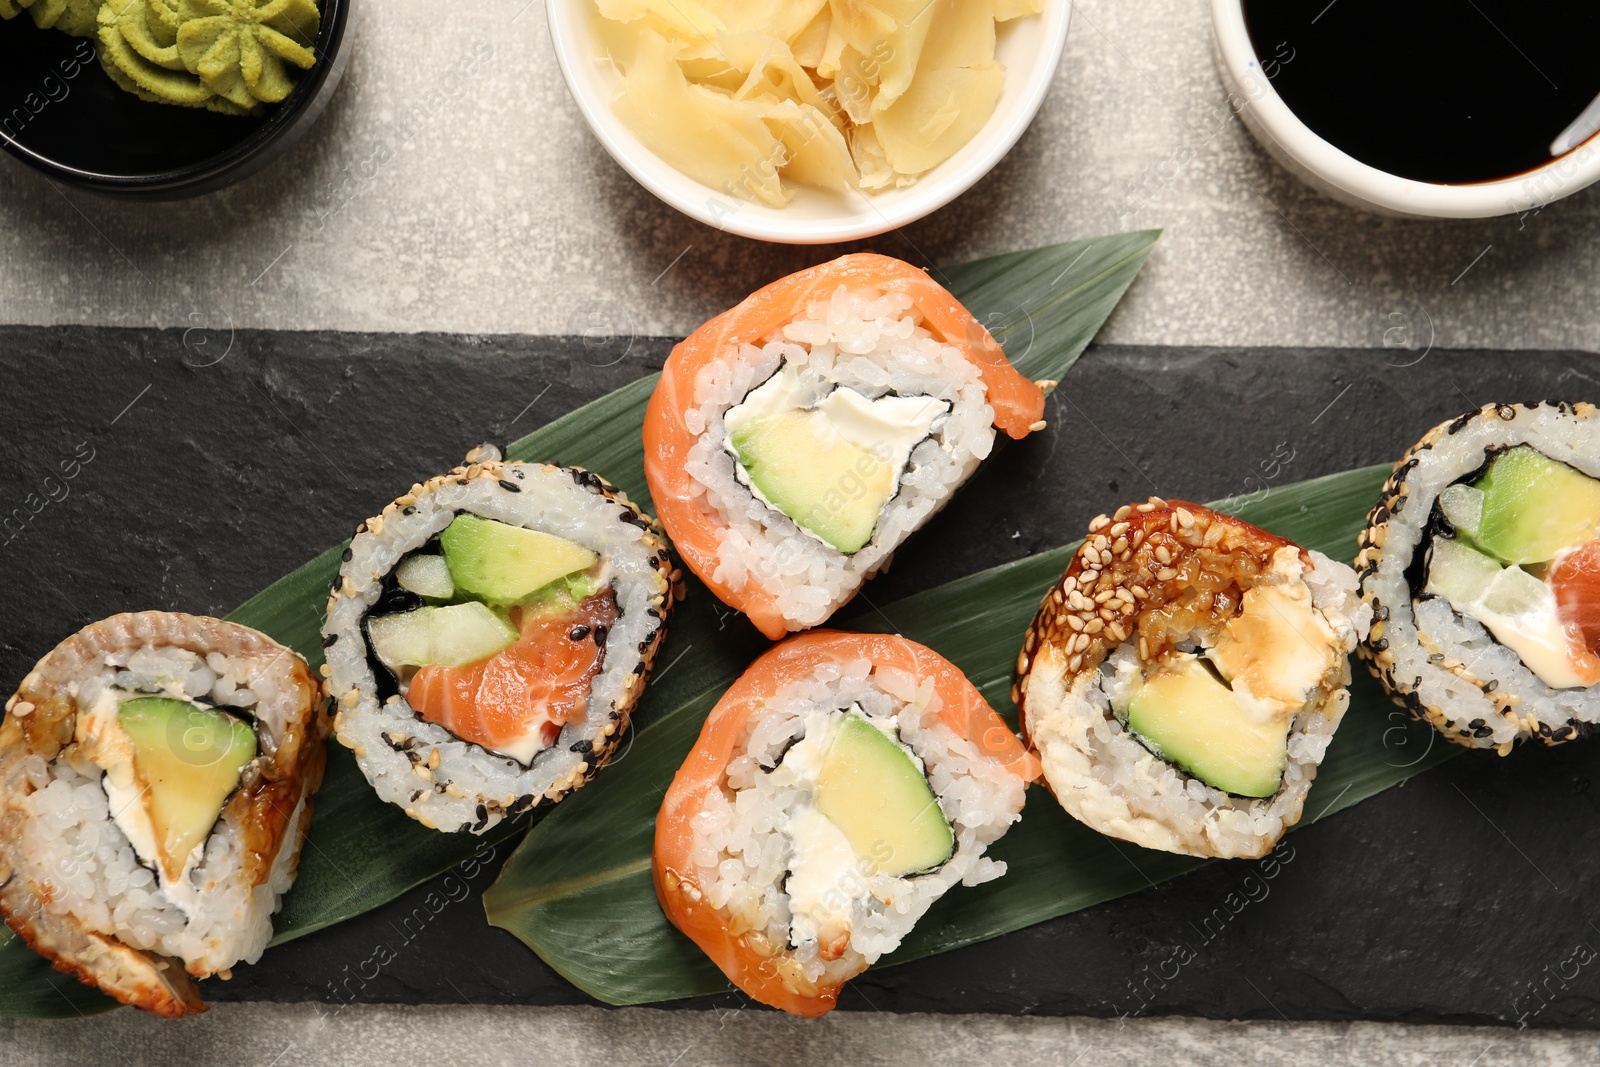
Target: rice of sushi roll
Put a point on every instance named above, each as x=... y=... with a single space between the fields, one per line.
x=489 y=635
x=1181 y=683
x=156 y=775
x=1481 y=563
x=842 y=785
x=796 y=440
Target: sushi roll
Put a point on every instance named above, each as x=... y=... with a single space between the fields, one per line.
x=796 y=440
x=1481 y=564
x=489 y=635
x=156 y=774
x=1181 y=683
x=842 y=785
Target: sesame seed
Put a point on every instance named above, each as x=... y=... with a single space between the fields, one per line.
x=1098 y=523
x=1075 y=663
x=1157 y=502
x=1035 y=427
x=1166 y=574
x=1094 y=627
x=1122 y=513
x=1074 y=622
x=1121 y=547
x=1163 y=554
x=1185 y=517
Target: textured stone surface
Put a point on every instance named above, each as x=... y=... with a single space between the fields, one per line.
x=478 y=1036
x=452 y=185
x=1451 y=899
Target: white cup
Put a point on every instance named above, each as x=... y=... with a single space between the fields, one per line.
x=1353 y=182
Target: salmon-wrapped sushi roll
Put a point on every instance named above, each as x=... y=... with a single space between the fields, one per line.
x=489 y=636
x=1182 y=681
x=842 y=785
x=156 y=774
x=796 y=440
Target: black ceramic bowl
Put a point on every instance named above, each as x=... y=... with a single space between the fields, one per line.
x=61 y=114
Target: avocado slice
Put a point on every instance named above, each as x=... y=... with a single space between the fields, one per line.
x=1187 y=716
x=874 y=792
x=452 y=636
x=501 y=563
x=1533 y=507
x=828 y=485
x=187 y=760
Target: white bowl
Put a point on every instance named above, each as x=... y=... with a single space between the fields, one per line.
x=1029 y=47
x=1345 y=178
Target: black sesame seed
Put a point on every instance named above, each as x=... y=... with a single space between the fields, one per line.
x=483 y=814
x=346 y=554
x=584 y=745
x=629 y=515
x=1460 y=422
x=600 y=634
x=578 y=633
x=329 y=639
x=510 y=487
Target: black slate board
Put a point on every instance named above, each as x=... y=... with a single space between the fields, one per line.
x=221 y=461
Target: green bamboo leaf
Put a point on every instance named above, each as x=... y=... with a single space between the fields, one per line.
x=578 y=889
x=1045 y=306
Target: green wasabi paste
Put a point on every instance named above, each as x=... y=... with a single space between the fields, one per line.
x=232 y=56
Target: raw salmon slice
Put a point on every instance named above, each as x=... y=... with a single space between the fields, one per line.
x=539 y=683
x=1576 y=584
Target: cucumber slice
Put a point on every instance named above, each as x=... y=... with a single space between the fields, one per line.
x=1459 y=573
x=427 y=576
x=450 y=636
x=1463 y=507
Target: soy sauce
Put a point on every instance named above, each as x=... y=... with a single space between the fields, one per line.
x=1451 y=91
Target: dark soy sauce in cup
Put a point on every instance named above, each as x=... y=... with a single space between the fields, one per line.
x=1451 y=91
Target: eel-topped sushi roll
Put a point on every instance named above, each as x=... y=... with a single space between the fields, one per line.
x=489 y=636
x=842 y=785
x=156 y=774
x=794 y=441
x=1181 y=683
x=1482 y=564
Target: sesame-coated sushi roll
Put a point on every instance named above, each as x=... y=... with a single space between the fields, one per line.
x=156 y=774
x=1183 y=679
x=489 y=636
x=842 y=785
x=1481 y=563
x=794 y=441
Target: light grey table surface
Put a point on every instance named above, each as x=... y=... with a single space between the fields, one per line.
x=453 y=186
